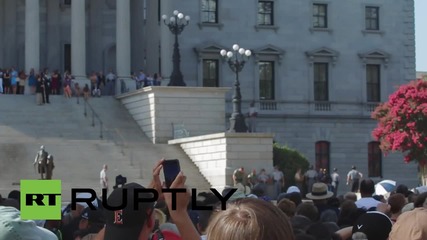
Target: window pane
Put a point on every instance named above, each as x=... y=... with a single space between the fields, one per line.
x=374 y=160
x=210 y=73
x=265 y=13
x=209 y=11
x=372 y=18
x=321 y=82
x=266 y=80
x=320 y=16
x=322 y=149
x=373 y=82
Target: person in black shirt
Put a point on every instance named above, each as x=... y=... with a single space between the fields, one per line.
x=48 y=88
x=39 y=90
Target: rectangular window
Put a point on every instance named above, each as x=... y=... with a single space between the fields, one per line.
x=321 y=92
x=374 y=160
x=322 y=155
x=265 y=13
x=209 y=11
x=372 y=18
x=320 y=15
x=266 y=80
x=67 y=57
x=210 y=73
x=373 y=82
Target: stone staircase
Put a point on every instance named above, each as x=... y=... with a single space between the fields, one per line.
x=78 y=151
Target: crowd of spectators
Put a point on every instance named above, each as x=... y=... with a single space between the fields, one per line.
x=247 y=216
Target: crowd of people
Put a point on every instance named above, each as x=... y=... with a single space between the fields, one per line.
x=45 y=83
x=247 y=216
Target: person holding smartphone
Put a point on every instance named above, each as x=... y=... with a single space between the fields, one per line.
x=131 y=224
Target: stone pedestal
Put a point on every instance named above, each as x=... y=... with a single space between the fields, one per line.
x=218 y=155
x=201 y=111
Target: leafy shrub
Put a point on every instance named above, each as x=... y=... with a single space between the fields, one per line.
x=289 y=160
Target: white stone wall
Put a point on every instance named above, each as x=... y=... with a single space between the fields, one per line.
x=201 y=110
x=218 y=155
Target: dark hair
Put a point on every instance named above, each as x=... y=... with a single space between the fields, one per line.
x=419 y=202
x=320 y=231
x=204 y=217
x=15 y=194
x=367 y=186
x=397 y=201
x=403 y=189
x=308 y=210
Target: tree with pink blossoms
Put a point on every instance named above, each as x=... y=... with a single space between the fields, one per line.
x=402 y=124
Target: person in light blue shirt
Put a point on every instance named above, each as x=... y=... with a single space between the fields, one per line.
x=14 y=77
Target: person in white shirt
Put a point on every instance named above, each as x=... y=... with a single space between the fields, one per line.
x=252 y=117
x=335 y=181
x=354 y=177
x=278 y=179
x=103 y=178
x=111 y=80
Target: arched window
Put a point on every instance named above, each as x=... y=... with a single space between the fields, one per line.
x=374 y=160
x=322 y=155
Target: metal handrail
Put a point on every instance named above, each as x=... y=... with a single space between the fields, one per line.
x=94 y=115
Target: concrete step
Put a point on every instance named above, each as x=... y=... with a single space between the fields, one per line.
x=78 y=151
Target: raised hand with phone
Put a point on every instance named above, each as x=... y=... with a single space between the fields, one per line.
x=175 y=179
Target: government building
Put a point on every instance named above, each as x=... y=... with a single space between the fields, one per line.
x=317 y=70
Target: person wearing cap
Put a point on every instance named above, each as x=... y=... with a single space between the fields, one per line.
x=354 y=177
x=320 y=194
x=71 y=220
x=374 y=225
x=13 y=227
x=91 y=222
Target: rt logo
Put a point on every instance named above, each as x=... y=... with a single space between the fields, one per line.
x=41 y=199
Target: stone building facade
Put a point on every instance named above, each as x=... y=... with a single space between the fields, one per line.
x=81 y=37
x=317 y=71
x=318 y=68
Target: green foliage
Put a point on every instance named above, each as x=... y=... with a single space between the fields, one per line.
x=289 y=160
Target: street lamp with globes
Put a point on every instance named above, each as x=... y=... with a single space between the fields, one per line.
x=176 y=25
x=236 y=60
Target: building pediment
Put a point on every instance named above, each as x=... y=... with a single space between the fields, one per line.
x=269 y=50
x=376 y=56
x=322 y=52
x=376 y=53
x=208 y=47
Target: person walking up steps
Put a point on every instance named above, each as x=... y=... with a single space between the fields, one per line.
x=354 y=177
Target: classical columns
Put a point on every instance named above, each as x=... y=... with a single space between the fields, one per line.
x=123 y=43
x=32 y=35
x=78 y=38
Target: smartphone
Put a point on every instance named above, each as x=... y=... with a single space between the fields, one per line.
x=171 y=169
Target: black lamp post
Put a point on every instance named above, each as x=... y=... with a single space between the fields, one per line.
x=176 y=25
x=236 y=61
